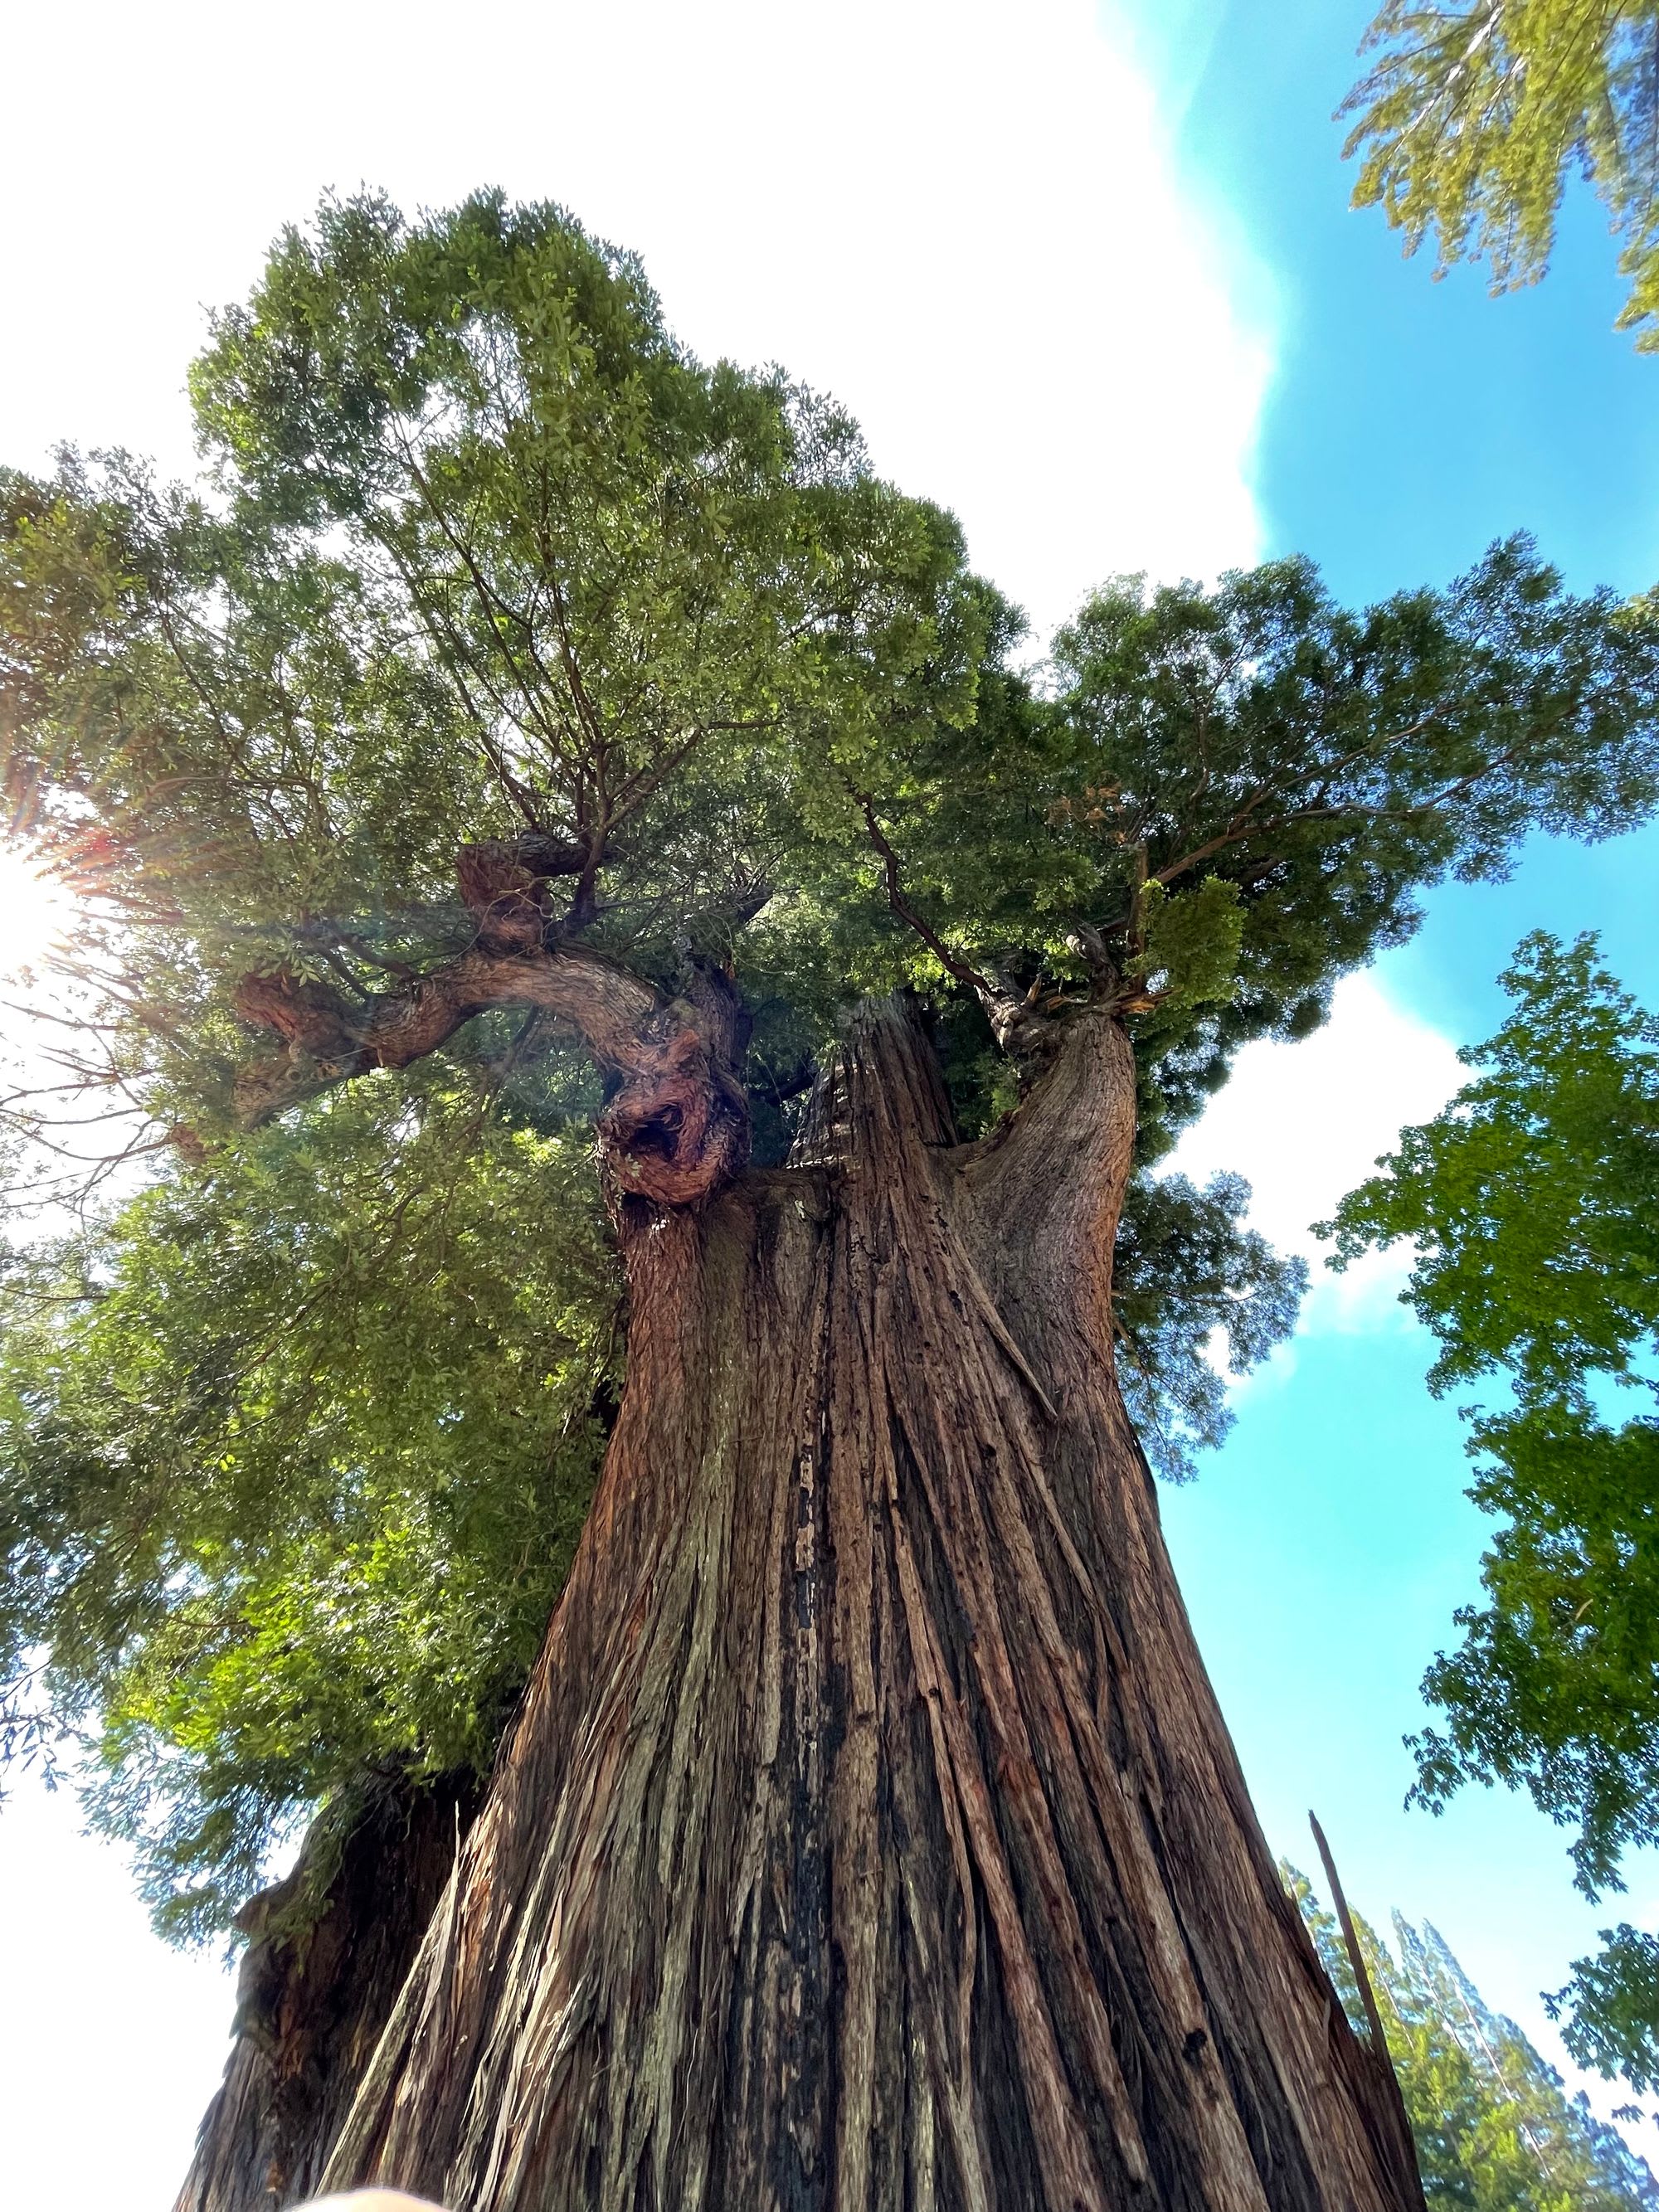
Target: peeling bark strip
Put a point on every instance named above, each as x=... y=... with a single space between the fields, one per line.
x=870 y=1837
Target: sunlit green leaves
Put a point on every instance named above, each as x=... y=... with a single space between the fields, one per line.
x=633 y=571
x=1472 y=118
x=1533 y=1206
x=1531 y=1199
x=1258 y=743
x=1615 y=2001
x=295 y=1457
x=1189 y=956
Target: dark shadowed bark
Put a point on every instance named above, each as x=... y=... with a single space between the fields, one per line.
x=318 y=1979
x=870 y=1836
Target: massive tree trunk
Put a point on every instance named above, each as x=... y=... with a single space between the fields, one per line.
x=870 y=1836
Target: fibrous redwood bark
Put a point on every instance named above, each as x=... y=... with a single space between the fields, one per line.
x=320 y=1976
x=870 y=1836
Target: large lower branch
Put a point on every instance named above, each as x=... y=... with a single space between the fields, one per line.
x=621 y=1016
x=676 y=1126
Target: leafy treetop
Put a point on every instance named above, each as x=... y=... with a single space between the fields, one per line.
x=488 y=560
x=1473 y=117
x=513 y=688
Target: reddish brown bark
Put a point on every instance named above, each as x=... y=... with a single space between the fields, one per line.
x=318 y=1978
x=870 y=1836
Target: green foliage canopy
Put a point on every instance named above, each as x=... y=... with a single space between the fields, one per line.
x=485 y=562
x=296 y=1452
x=1473 y=117
x=1532 y=1203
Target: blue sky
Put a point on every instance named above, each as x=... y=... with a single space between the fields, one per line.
x=1405 y=423
x=1092 y=279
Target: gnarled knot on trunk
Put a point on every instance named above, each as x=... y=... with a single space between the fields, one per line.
x=1030 y=1022
x=311 y=1017
x=677 y=1130
x=503 y=880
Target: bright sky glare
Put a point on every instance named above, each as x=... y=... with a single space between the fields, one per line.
x=959 y=218
x=37 y=912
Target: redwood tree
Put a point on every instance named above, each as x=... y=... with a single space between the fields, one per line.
x=535 y=748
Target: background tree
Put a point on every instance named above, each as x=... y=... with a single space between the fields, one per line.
x=1493 y=2126
x=1531 y=1203
x=1472 y=120
x=586 y=876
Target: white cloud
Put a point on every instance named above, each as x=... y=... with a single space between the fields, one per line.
x=960 y=218
x=1363 y=1300
x=1305 y=1122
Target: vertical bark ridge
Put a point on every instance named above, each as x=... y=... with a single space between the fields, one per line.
x=1319 y=2109
x=869 y=1838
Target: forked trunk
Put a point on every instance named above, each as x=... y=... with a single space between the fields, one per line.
x=870 y=1836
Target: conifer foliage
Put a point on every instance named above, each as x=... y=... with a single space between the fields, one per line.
x=1495 y=2129
x=1472 y=118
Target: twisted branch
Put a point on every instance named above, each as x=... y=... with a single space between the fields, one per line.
x=676 y=1129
